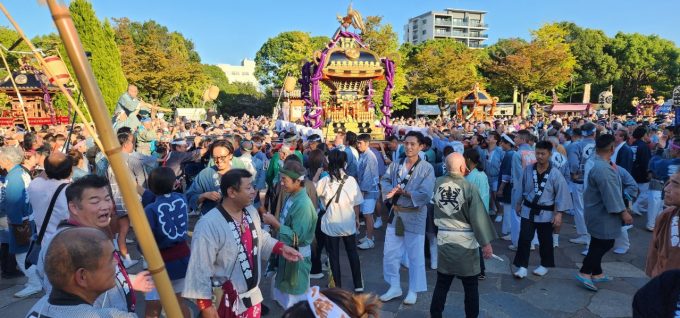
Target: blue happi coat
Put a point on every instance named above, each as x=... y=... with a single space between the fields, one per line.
x=16 y=204
x=169 y=222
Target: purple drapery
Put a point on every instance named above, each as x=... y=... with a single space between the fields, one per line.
x=313 y=109
x=387 y=97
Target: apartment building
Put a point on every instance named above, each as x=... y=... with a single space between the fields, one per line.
x=466 y=26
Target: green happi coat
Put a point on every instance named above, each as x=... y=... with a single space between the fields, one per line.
x=463 y=225
x=298 y=222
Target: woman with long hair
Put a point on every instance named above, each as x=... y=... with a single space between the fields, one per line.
x=341 y=198
x=338 y=302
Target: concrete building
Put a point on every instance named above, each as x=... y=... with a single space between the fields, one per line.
x=467 y=26
x=244 y=73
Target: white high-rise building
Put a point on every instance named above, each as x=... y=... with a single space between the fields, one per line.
x=467 y=26
x=244 y=73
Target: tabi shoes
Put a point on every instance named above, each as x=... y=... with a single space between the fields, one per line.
x=391 y=293
x=411 y=298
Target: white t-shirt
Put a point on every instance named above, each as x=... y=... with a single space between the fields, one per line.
x=40 y=192
x=339 y=219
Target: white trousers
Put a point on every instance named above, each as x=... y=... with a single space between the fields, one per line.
x=622 y=241
x=413 y=243
x=654 y=207
x=641 y=204
x=515 y=222
x=577 y=202
x=31 y=273
x=508 y=212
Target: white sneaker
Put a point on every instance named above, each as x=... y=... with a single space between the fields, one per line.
x=411 y=298
x=584 y=252
x=499 y=219
x=583 y=239
x=650 y=228
x=363 y=239
x=620 y=250
x=540 y=271
x=28 y=291
x=316 y=276
x=520 y=273
x=506 y=237
x=378 y=223
x=366 y=244
x=512 y=248
x=129 y=241
x=391 y=293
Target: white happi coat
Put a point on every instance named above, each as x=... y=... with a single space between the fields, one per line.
x=214 y=252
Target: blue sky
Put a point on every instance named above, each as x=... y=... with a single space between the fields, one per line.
x=226 y=31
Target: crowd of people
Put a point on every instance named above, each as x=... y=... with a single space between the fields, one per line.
x=276 y=204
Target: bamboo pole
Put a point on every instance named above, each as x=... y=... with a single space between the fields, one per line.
x=95 y=102
x=16 y=89
x=47 y=71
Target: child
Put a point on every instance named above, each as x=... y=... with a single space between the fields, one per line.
x=169 y=224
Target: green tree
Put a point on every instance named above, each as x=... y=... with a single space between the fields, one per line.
x=537 y=67
x=216 y=76
x=643 y=60
x=99 y=38
x=163 y=64
x=593 y=64
x=440 y=70
x=383 y=40
x=285 y=54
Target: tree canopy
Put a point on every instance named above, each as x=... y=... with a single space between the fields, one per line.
x=285 y=54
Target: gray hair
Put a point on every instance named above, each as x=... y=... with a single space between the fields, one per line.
x=13 y=154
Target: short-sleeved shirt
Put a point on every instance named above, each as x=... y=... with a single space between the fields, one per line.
x=339 y=218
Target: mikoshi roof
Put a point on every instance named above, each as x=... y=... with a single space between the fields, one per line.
x=26 y=81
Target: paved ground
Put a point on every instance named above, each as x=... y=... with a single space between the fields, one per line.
x=501 y=295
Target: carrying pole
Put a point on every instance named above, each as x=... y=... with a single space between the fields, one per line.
x=97 y=107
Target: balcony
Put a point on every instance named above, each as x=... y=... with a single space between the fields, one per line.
x=477 y=35
x=477 y=46
x=444 y=22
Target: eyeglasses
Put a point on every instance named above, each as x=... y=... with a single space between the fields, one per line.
x=222 y=158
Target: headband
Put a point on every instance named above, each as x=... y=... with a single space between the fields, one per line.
x=507 y=139
x=293 y=175
x=179 y=142
x=321 y=306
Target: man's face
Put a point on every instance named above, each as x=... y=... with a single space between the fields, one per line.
x=102 y=278
x=393 y=145
x=618 y=137
x=672 y=191
x=362 y=146
x=94 y=209
x=542 y=156
x=288 y=184
x=128 y=145
x=132 y=91
x=245 y=194
x=222 y=158
x=412 y=147
x=339 y=140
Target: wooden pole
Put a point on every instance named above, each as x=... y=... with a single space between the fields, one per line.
x=47 y=71
x=95 y=102
x=16 y=89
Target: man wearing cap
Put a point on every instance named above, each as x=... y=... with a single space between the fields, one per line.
x=146 y=135
x=578 y=154
x=503 y=194
x=178 y=155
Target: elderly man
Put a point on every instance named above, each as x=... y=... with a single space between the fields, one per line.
x=80 y=265
x=463 y=226
x=91 y=206
x=19 y=214
x=604 y=212
x=408 y=183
